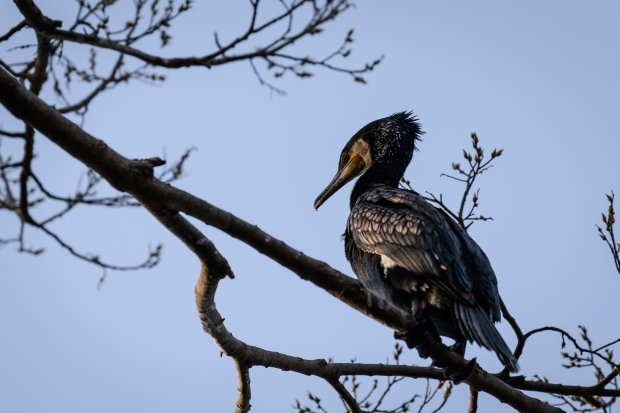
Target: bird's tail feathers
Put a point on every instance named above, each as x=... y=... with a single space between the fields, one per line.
x=476 y=325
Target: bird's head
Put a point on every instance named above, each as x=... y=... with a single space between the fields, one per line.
x=384 y=146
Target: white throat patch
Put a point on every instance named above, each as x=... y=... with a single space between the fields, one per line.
x=387 y=262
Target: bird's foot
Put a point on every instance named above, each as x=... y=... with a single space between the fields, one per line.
x=458 y=348
x=415 y=336
x=461 y=372
x=458 y=374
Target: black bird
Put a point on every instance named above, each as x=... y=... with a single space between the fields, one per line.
x=409 y=252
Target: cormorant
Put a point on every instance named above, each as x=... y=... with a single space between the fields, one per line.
x=409 y=252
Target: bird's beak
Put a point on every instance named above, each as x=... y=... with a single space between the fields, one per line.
x=354 y=167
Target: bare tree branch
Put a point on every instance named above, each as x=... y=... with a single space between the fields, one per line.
x=473 y=400
x=465 y=216
x=13 y=30
x=607 y=233
x=137 y=178
x=243 y=388
x=96 y=25
x=345 y=396
x=22 y=190
x=321 y=13
x=476 y=166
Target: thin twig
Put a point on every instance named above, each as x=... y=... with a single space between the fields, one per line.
x=473 y=401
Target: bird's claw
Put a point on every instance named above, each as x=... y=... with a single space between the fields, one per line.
x=459 y=374
x=458 y=348
x=417 y=335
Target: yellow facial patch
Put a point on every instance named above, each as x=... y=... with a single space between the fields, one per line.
x=362 y=149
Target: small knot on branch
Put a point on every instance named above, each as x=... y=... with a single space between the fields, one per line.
x=146 y=166
x=149 y=162
x=54 y=24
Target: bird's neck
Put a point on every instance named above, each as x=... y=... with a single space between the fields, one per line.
x=376 y=176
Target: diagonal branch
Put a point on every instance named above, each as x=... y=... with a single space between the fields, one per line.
x=345 y=396
x=163 y=200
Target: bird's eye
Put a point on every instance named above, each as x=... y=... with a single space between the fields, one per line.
x=344 y=157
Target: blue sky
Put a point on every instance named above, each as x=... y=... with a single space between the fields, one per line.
x=539 y=79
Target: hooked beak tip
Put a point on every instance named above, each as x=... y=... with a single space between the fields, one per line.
x=317 y=204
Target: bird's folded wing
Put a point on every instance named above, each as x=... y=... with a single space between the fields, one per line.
x=414 y=236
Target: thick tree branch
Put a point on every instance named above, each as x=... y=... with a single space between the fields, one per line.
x=563 y=389
x=163 y=200
x=128 y=176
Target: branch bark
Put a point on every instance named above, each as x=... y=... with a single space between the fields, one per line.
x=345 y=396
x=473 y=401
x=243 y=388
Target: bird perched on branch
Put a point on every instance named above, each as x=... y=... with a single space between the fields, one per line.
x=409 y=252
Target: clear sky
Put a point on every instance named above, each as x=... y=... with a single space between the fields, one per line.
x=539 y=79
